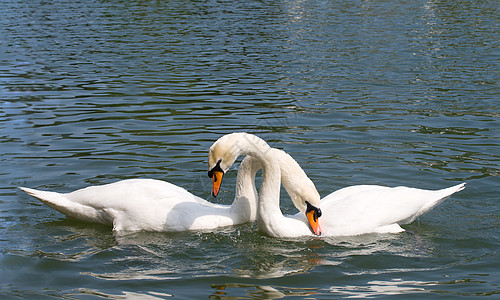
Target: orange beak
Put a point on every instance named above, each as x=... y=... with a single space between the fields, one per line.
x=217 y=180
x=313 y=215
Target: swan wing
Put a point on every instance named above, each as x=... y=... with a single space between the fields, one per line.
x=365 y=209
x=134 y=204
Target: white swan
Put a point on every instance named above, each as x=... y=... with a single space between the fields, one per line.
x=362 y=209
x=350 y=211
x=155 y=205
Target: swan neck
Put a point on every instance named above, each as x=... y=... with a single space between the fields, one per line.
x=253 y=146
x=269 y=214
x=245 y=202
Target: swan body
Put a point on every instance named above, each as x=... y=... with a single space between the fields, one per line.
x=349 y=211
x=155 y=205
x=363 y=209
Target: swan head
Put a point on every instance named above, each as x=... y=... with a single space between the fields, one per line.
x=313 y=213
x=224 y=152
x=306 y=199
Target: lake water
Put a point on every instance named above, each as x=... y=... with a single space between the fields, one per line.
x=358 y=92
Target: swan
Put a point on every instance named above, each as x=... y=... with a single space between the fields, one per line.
x=352 y=210
x=155 y=205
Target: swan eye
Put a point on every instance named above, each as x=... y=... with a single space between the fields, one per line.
x=318 y=212
x=214 y=169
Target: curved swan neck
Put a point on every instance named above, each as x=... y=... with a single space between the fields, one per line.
x=270 y=218
x=225 y=151
x=277 y=166
x=245 y=202
x=249 y=144
x=223 y=154
x=227 y=148
x=295 y=181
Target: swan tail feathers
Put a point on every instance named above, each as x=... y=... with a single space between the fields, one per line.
x=438 y=197
x=443 y=194
x=455 y=188
x=63 y=205
x=49 y=198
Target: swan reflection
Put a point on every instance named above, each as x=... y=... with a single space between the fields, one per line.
x=225 y=291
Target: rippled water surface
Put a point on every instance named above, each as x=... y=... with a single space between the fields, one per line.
x=359 y=92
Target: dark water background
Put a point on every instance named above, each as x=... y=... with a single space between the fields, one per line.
x=359 y=92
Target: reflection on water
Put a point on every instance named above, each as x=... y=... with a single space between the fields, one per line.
x=123 y=295
x=245 y=291
x=381 y=288
x=246 y=253
x=277 y=263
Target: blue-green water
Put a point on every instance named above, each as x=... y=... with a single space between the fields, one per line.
x=359 y=92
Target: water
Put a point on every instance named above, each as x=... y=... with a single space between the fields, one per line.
x=359 y=92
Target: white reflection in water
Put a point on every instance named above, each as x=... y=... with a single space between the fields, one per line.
x=395 y=286
x=123 y=295
x=228 y=290
x=135 y=274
